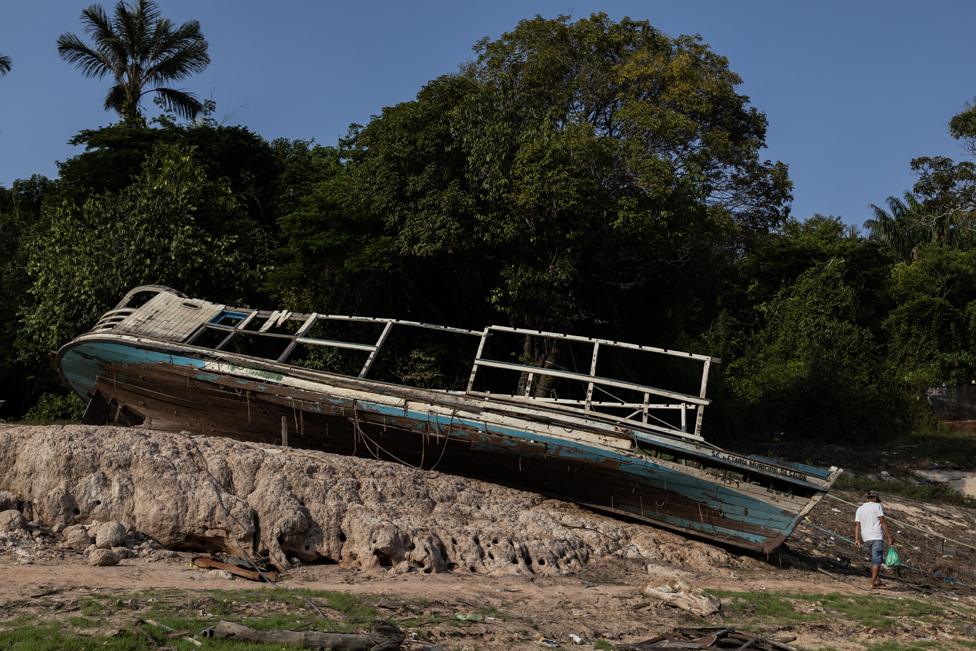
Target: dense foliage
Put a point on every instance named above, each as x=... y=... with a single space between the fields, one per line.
x=591 y=176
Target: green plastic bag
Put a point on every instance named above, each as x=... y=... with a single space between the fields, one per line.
x=891 y=558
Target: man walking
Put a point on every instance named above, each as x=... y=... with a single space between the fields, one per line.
x=871 y=528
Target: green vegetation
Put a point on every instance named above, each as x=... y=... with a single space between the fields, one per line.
x=163 y=618
x=772 y=609
x=147 y=620
x=588 y=175
x=55 y=408
x=923 y=492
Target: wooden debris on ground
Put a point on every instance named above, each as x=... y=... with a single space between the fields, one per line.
x=711 y=638
x=256 y=573
x=383 y=637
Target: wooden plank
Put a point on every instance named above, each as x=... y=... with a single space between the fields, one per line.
x=169 y=317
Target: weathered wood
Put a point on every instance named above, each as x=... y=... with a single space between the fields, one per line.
x=383 y=637
x=207 y=563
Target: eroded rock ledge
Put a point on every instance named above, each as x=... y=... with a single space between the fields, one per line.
x=200 y=493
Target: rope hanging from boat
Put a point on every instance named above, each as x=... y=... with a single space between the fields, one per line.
x=367 y=440
x=450 y=427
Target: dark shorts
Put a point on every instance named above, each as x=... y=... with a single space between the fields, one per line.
x=876 y=549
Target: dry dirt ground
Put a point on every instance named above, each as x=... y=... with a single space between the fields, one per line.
x=590 y=594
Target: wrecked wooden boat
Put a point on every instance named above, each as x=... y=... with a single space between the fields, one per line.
x=558 y=415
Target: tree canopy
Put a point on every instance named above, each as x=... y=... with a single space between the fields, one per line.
x=569 y=166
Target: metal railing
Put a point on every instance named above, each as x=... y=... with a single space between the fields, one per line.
x=683 y=402
x=643 y=406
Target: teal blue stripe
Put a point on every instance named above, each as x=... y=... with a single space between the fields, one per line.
x=732 y=503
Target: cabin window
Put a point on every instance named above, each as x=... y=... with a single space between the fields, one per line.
x=289 y=326
x=326 y=358
x=257 y=345
x=228 y=318
x=209 y=338
x=256 y=323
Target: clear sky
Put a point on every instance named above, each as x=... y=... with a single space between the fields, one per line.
x=852 y=90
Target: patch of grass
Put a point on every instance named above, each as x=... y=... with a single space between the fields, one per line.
x=603 y=645
x=20 y=620
x=938 y=444
x=939 y=493
x=763 y=606
x=169 y=610
x=263 y=609
x=93 y=606
x=51 y=637
x=866 y=610
x=910 y=646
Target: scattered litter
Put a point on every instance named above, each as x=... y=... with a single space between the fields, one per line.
x=469 y=617
x=945 y=578
x=678 y=594
x=549 y=643
x=575 y=638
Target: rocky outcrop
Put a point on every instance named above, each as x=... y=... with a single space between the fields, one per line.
x=214 y=494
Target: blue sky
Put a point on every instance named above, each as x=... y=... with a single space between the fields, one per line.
x=852 y=90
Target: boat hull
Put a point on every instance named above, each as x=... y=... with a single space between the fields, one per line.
x=179 y=388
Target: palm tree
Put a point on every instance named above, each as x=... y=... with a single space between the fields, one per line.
x=4 y=65
x=143 y=52
x=901 y=229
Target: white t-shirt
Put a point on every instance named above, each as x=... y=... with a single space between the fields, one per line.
x=868 y=515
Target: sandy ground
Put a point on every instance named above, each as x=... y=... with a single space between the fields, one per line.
x=603 y=602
